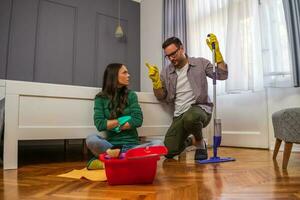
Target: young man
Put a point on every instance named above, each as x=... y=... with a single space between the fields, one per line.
x=183 y=84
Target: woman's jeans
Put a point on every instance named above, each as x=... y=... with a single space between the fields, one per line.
x=97 y=144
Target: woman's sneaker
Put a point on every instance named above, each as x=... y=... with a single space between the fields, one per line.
x=95 y=163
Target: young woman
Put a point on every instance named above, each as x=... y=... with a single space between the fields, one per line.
x=118 y=113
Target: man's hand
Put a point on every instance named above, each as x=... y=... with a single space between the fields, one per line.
x=153 y=74
x=213 y=39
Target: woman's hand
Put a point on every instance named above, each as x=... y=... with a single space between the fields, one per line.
x=125 y=126
x=112 y=123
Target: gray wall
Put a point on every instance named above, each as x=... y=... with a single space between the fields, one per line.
x=151 y=27
x=67 y=41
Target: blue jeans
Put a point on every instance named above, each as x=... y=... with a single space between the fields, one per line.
x=97 y=144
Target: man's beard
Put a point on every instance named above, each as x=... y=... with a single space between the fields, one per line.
x=179 y=63
x=175 y=63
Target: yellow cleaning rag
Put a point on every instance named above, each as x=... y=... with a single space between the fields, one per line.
x=93 y=175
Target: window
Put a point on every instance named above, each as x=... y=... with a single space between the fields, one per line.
x=253 y=40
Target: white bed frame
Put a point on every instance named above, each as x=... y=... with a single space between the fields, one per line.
x=39 y=111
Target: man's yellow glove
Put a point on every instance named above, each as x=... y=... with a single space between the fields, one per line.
x=213 y=39
x=154 y=76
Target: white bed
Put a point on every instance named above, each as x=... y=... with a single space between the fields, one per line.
x=39 y=111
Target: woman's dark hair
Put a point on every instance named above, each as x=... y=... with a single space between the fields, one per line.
x=172 y=40
x=118 y=96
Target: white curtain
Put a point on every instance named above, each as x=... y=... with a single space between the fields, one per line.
x=241 y=28
x=203 y=17
x=276 y=51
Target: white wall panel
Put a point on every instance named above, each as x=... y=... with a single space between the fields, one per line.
x=244 y=119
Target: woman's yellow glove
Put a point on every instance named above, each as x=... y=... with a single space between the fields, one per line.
x=213 y=39
x=154 y=76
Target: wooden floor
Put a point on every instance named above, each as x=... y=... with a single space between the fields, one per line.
x=253 y=175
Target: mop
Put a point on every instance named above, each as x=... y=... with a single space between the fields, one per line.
x=217 y=122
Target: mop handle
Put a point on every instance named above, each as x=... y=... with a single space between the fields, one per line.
x=213 y=45
x=214 y=81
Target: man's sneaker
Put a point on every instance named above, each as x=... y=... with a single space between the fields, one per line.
x=95 y=163
x=201 y=154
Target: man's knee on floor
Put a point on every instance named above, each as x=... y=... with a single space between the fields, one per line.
x=170 y=156
x=173 y=149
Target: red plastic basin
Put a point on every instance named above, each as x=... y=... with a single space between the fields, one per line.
x=138 y=166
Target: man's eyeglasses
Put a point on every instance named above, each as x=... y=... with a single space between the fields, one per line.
x=173 y=54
